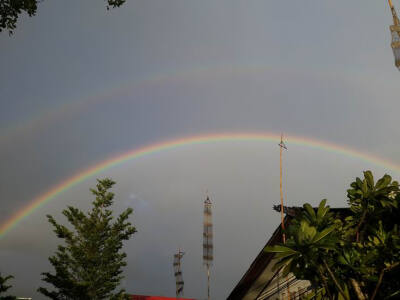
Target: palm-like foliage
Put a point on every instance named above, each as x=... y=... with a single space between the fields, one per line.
x=311 y=238
x=371 y=202
x=355 y=257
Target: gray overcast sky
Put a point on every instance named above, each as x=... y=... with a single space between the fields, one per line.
x=79 y=84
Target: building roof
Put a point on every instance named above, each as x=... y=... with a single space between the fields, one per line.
x=142 y=297
x=263 y=259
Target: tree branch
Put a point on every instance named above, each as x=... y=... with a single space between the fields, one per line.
x=359 y=225
x=357 y=289
x=378 y=284
x=389 y=268
x=335 y=281
x=325 y=283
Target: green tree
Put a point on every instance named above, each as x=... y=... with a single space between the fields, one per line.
x=89 y=263
x=10 y=10
x=4 y=288
x=357 y=256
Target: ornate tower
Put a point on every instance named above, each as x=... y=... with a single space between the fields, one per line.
x=208 y=241
x=178 y=273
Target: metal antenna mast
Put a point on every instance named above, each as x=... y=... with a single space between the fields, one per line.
x=208 y=241
x=281 y=147
x=178 y=273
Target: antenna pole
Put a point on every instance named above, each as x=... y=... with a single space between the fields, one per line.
x=208 y=282
x=281 y=147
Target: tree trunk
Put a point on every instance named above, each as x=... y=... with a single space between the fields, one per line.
x=325 y=283
x=357 y=289
x=359 y=225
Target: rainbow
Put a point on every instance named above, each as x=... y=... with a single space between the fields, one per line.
x=69 y=108
x=136 y=153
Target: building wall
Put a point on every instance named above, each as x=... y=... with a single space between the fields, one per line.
x=279 y=288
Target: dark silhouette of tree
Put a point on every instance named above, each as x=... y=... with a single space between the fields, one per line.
x=10 y=10
x=4 y=288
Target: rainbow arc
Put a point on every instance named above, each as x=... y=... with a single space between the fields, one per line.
x=137 y=153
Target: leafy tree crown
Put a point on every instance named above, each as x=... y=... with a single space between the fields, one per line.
x=88 y=265
x=348 y=257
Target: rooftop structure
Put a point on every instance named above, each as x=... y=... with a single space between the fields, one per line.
x=142 y=297
x=260 y=282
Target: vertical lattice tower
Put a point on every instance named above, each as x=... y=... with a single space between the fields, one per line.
x=178 y=273
x=208 y=241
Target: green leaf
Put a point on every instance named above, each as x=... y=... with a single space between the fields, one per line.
x=310 y=211
x=364 y=188
x=306 y=231
x=369 y=178
x=322 y=210
x=287 y=268
x=279 y=249
x=359 y=183
x=346 y=292
x=383 y=182
x=393 y=295
x=319 y=236
x=282 y=255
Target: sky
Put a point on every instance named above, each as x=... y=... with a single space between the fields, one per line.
x=80 y=85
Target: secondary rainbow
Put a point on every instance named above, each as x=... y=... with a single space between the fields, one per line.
x=109 y=93
x=63 y=186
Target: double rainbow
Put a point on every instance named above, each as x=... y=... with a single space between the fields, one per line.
x=136 y=153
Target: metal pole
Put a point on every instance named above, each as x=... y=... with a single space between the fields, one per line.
x=208 y=279
x=281 y=146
